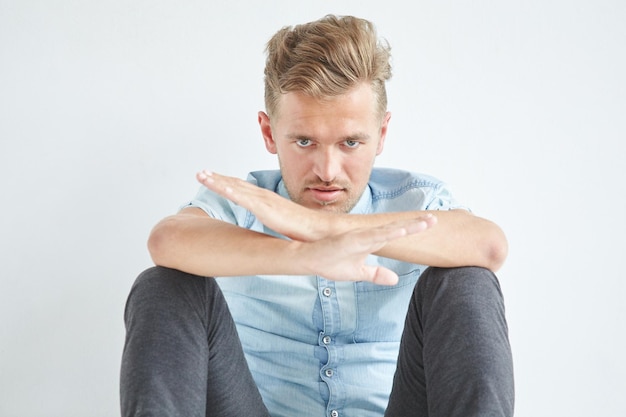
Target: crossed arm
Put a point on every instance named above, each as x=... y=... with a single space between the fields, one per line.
x=332 y=245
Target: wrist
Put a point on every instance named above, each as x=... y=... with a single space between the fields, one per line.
x=326 y=224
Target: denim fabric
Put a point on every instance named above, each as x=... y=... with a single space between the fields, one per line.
x=315 y=346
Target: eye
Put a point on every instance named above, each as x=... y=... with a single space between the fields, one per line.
x=303 y=143
x=352 y=143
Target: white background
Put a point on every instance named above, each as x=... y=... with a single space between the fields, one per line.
x=108 y=108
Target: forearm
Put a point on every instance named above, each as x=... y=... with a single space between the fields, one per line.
x=207 y=247
x=198 y=244
x=458 y=239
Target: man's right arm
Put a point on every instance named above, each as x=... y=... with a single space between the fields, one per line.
x=196 y=243
x=193 y=242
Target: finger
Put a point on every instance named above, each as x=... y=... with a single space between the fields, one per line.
x=206 y=178
x=391 y=231
x=367 y=241
x=380 y=275
x=213 y=180
x=227 y=187
x=232 y=187
x=419 y=224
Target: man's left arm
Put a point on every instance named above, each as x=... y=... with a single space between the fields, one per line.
x=457 y=238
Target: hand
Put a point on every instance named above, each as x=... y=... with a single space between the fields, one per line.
x=317 y=246
x=342 y=257
x=279 y=214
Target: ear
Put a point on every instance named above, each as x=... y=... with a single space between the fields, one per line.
x=383 y=133
x=266 y=131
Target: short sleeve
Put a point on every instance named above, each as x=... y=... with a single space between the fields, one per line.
x=441 y=198
x=397 y=190
x=213 y=205
x=223 y=209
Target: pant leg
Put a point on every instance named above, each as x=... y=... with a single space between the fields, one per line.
x=182 y=355
x=455 y=358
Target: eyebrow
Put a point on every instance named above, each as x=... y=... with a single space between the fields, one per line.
x=359 y=136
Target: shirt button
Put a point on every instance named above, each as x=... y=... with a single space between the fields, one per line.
x=334 y=413
x=327 y=292
x=326 y=340
x=328 y=373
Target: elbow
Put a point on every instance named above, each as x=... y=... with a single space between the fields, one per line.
x=162 y=242
x=497 y=250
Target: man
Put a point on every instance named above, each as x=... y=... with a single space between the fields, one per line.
x=319 y=263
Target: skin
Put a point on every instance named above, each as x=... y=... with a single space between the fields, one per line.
x=326 y=150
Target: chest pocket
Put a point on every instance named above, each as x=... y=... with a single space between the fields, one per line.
x=381 y=310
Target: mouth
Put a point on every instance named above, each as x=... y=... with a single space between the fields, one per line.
x=326 y=195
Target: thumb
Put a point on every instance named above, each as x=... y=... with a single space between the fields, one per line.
x=380 y=275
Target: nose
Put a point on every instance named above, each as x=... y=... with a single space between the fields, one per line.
x=327 y=165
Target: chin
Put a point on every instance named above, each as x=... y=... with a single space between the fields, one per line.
x=335 y=207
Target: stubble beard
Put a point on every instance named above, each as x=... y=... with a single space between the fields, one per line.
x=333 y=206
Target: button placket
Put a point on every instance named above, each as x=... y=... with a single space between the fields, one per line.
x=328 y=297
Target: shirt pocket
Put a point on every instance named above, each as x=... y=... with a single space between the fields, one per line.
x=381 y=309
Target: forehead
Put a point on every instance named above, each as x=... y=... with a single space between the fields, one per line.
x=356 y=106
x=350 y=115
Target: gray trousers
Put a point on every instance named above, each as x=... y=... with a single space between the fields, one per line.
x=182 y=355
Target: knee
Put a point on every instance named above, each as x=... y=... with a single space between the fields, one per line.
x=155 y=281
x=158 y=290
x=438 y=273
x=158 y=276
x=473 y=285
x=151 y=288
x=162 y=279
x=472 y=277
x=463 y=298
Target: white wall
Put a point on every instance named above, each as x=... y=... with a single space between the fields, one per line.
x=108 y=108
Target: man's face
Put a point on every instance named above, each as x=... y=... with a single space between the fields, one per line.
x=326 y=148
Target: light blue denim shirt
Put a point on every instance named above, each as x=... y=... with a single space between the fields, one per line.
x=318 y=347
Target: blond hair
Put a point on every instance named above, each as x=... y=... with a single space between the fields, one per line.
x=326 y=58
